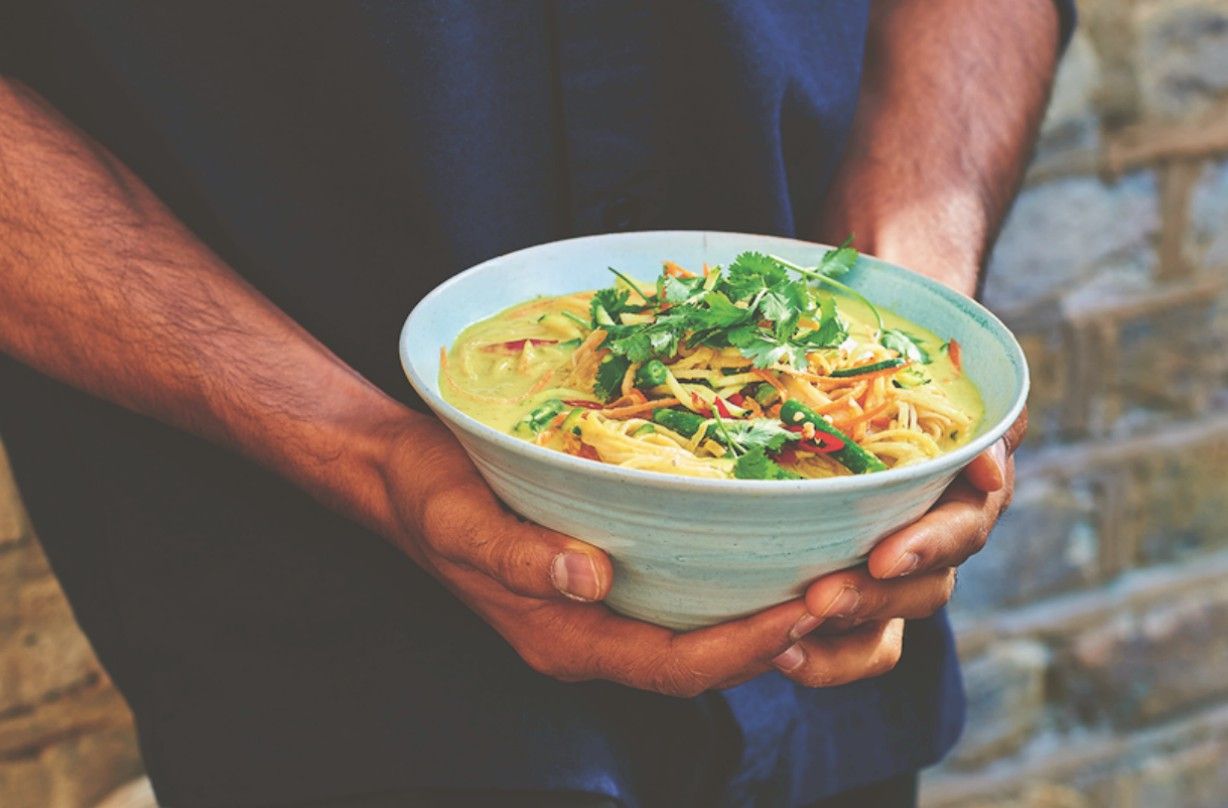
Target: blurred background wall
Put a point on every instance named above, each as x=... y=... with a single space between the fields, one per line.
x=1095 y=625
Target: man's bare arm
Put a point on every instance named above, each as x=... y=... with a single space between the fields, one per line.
x=104 y=289
x=952 y=96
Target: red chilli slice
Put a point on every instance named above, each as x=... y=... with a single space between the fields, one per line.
x=516 y=345
x=588 y=405
x=721 y=408
x=737 y=399
x=821 y=443
x=701 y=406
x=953 y=352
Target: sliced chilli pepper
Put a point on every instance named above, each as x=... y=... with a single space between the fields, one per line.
x=737 y=399
x=588 y=452
x=822 y=443
x=701 y=406
x=721 y=408
x=953 y=352
x=853 y=457
x=516 y=345
x=786 y=454
x=588 y=405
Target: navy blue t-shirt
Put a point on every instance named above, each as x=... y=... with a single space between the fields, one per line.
x=346 y=158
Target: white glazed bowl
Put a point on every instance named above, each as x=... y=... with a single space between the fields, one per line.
x=690 y=552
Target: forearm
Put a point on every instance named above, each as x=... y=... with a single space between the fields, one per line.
x=105 y=290
x=952 y=96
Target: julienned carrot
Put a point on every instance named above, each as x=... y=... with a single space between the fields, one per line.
x=620 y=413
x=772 y=380
x=676 y=271
x=867 y=416
x=953 y=352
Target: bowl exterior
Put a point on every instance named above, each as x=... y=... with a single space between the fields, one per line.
x=689 y=553
x=685 y=559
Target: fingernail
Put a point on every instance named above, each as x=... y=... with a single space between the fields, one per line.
x=905 y=564
x=575 y=575
x=790 y=659
x=998 y=451
x=804 y=625
x=844 y=604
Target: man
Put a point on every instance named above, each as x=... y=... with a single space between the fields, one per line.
x=211 y=225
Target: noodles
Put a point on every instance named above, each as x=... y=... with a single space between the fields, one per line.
x=691 y=378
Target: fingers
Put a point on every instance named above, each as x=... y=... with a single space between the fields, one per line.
x=987 y=471
x=854 y=595
x=468 y=526
x=594 y=643
x=954 y=529
x=828 y=661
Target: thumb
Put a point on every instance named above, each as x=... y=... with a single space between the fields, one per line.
x=987 y=472
x=474 y=530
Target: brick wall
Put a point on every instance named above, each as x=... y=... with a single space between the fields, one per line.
x=66 y=736
x=1094 y=627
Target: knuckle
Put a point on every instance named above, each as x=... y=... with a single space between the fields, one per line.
x=1008 y=497
x=980 y=538
x=948 y=587
x=543 y=663
x=548 y=663
x=673 y=677
x=887 y=660
x=447 y=524
x=816 y=677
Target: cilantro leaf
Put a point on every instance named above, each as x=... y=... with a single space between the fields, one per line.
x=763 y=347
x=906 y=345
x=720 y=312
x=776 y=307
x=611 y=302
x=643 y=342
x=764 y=433
x=751 y=272
x=681 y=290
x=831 y=331
x=756 y=465
x=610 y=375
x=839 y=261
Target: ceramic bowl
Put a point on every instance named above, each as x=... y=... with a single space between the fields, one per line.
x=690 y=552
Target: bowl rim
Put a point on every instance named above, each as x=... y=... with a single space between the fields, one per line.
x=952 y=461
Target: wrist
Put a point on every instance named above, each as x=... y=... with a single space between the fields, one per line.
x=345 y=463
x=941 y=238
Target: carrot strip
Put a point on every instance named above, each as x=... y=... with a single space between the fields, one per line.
x=770 y=379
x=868 y=415
x=620 y=413
x=676 y=271
x=540 y=384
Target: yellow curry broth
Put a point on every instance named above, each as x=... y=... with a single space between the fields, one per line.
x=502 y=367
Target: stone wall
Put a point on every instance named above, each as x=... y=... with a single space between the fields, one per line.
x=66 y=736
x=1094 y=627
